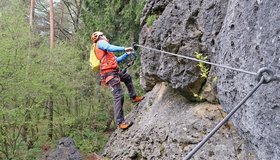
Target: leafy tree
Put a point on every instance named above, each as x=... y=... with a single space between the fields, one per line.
x=33 y=77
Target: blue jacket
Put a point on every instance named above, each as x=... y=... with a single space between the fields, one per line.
x=104 y=45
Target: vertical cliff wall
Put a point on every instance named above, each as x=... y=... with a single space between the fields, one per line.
x=237 y=33
x=250 y=39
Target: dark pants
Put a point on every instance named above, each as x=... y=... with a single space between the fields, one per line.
x=117 y=91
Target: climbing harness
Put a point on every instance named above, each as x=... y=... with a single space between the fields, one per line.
x=264 y=76
x=129 y=62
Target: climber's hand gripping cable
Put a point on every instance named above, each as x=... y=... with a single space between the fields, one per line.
x=130 y=60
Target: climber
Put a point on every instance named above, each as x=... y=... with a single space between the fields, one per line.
x=112 y=76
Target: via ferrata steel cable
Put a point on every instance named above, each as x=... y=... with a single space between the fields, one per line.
x=197 y=60
x=209 y=135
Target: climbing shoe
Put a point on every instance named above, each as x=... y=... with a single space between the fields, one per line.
x=125 y=125
x=137 y=99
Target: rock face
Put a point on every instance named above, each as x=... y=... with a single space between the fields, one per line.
x=238 y=33
x=182 y=27
x=250 y=39
x=167 y=127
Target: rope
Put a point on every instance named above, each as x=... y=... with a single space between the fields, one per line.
x=198 y=60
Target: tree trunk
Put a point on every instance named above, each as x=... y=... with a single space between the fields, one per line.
x=50 y=118
x=50 y=101
x=31 y=15
x=51 y=25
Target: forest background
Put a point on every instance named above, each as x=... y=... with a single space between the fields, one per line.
x=51 y=92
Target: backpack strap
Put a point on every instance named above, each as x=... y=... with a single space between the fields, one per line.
x=100 y=76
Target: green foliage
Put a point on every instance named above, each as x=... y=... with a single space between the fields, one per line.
x=88 y=140
x=151 y=19
x=204 y=69
x=119 y=19
x=215 y=80
x=13 y=40
x=31 y=74
x=198 y=97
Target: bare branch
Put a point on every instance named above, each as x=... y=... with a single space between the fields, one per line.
x=61 y=28
x=69 y=10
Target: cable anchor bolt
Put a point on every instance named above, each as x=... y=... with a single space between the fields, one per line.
x=266 y=73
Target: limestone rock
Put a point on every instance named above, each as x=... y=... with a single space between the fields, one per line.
x=236 y=33
x=182 y=27
x=250 y=40
x=167 y=126
x=65 y=150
